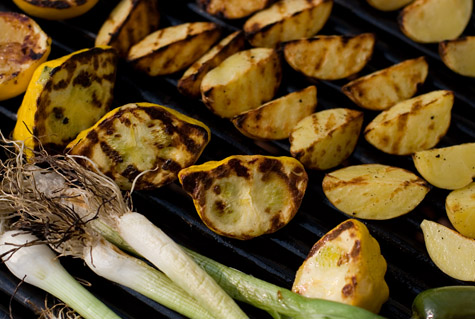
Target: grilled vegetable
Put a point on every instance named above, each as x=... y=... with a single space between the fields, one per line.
x=242 y=82
x=287 y=20
x=246 y=196
x=267 y=123
x=172 y=49
x=128 y=23
x=142 y=138
x=189 y=84
x=388 y=5
x=232 y=9
x=453 y=253
x=412 y=125
x=449 y=167
x=454 y=302
x=329 y=57
x=23 y=47
x=66 y=96
x=55 y=9
x=458 y=55
x=430 y=21
x=460 y=207
x=382 y=89
x=345 y=265
x=374 y=191
x=325 y=139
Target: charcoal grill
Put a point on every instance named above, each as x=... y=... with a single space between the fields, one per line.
x=275 y=257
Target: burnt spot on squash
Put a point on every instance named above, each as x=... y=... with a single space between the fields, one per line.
x=349 y=289
x=330 y=236
x=238 y=168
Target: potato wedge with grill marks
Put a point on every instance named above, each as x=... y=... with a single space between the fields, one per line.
x=458 y=55
x=128 y=23
x=246 y=196
x=267 y=121
x=140 y=137
x=287 y=20
x=384 y=88
x=388 y=5
x=325 y=139
x=66 y=96
x=374 y=191
x=460 y=208
x=233 y=9
x=189 y=84
x=175 y=48
x=412 y=125
x=430 y=21
x=242 y=82
x=329 y=57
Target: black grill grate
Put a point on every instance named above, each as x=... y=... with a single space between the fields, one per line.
x=274 y=257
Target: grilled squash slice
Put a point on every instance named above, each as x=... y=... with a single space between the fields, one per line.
x=128 y=23
x=345 y=265
x=23 y=47
x=458 y=55
x=388 y=5
x=460 y=207
x=232 y=9
x=242 y=82
x=246 y=196
x=66 y=96
x=140 y=137
x=382 y=89
x=374 y=191
x=55 y=9
x=325 y=139
x=412 y=125
x=329 y=57
x=287 y=20
x=189 y=84
x=175 y=48
x=267 y=123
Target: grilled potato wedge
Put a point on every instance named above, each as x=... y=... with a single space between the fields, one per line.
x=66 y=96
x=429 y=21
x=325 y=139
x=242 y=82
x=189 y=84
x=374 y=191
x=267 y=123
x=460 y=208
x=449 y=167
x=246 y=196
x=388 y=5
x=382 y=89
x=140 y=137
x=55 y=9
x=452 y=252
x=175 y=48
x=287 y=20
x=329 y=57
x=458 y=55
x=128 y=23
x=345 y=265
x=412 y=125
x=23 y=47
x=232 y=9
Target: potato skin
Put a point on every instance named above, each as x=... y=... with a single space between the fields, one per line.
x=388 y=5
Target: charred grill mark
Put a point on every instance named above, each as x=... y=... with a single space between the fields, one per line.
x=111 y=153
x=330 y=236
x=54 y=4
x=196 y=184
x=58 y=112
x=130 y=172
x=349 y=289
x=241 y=170
x=171 y=165
x=355 y=251
x=84 y=79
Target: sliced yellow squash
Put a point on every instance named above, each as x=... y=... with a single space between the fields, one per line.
x=55 y=9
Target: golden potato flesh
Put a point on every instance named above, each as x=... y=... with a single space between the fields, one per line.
x=128 y=23
x=413 y=125
x=189 y=84
x=460 y=207
x=388 y=5
x=246 y=196
x=267 y=123
x=287 y=20
x=453 y=253
x=242 y=82
x=459 y=55
x=232 y=9
x=449 y=167
x=325 y=139
x=374 y=191
x=382 y=89
x=345 y=265
x=329 y=57
x=141 y=137
x=172 y=49
x=429 y=21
